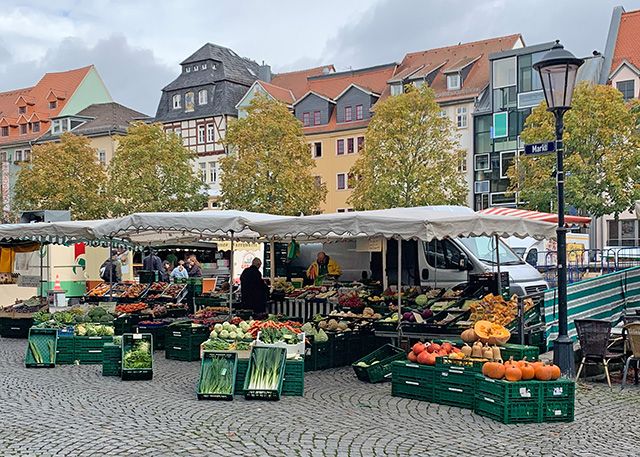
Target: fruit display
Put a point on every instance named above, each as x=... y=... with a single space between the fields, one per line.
x=521 y=370
x=30 y=305
x=130 y=308
x=173 y=291
x=100 y=290
x=496 y=309
x=426 y=353
x=350 y=299
x=488 y=332
x=156 y=289
x=367 y=313
x=118 y=290
x=282 y=285
x=134 y=291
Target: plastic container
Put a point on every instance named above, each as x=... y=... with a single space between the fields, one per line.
x=129 y=340
x=44 y=342
x=271 y=394
x=207 y=358
x=368 y=371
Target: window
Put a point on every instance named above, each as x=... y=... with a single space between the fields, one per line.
x=305 y=119
x=350 y=148
x=196 y=68
x=35 y=126
x=202 y=97
x=359 y=113
x=210 y=133
x=627 y=88
x=187 y=69
x=204 y=66
x=347 y=114
x=22 y=109
x=453 y=81
x=213 y=172
x=18 y=156
x=27 y=155
x=203 y=172
x=201 y=134
x=506 y=160
x=3 y=156
x=500 y=124
x=528 y=77
x=189 y=102
x=443 y=113
x=504 y=72
x=442 y=254
x=53 y=104
x=623 y=232
x=340 y=147
x=5 y=131
x=340 y=210
x=396 y=89
x=317 y=150
x=482 y=162
x=462 y=166
x=316 y=118
x=342 y=181
x=481 y=187
x=505 y=98
x=23 y=129
x=461 y=117
x=178 y=132
x=360 y=143
x=176 y=101
x=102 y=157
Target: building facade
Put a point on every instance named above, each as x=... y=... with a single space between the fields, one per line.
x=26 y=114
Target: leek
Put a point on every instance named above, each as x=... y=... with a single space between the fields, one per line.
x=266 y=368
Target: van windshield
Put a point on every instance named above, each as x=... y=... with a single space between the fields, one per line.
x=484 y=249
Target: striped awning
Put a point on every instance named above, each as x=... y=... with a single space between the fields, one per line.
x=536 y=215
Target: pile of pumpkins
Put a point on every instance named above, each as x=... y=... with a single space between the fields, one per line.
x=425 y=354
x=521 y=370
x=480 y=351
x=486 y=332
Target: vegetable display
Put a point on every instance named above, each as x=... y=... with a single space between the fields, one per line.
x=134 y=291
x=227 y=331
x=31 y=305
x=139 y=356
x=521 y=370
x=93 y=330
x=100 y=290
x=217 y=376
x=173 y=290
x=266 y=368
x=257 y=326
x=496 y=309
x=130 y=308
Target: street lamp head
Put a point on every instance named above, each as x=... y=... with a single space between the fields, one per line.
x=558 y=70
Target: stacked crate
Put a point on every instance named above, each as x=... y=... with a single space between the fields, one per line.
x=411 y=380
x=455 y=382
x=112 y=360
x=88 y=350
x=182 y=342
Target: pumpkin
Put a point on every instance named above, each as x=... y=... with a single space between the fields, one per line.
x=418 y=348
x=477 y=349
x=497 y=354
x=511 y=362
x=493 y=370
x=491 y=333
x=466 y=350
x=555 y=372
x=412 y=357
x=469 y=336
x=487 y=353
x=427 y=358
x=528 y=372
x=543 y=372
x=512 y=373
x=522 y=362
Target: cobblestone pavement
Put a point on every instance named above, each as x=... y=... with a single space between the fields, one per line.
x=74 y=410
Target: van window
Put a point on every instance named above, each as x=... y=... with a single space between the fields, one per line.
x=442 y=254
x=484 y=249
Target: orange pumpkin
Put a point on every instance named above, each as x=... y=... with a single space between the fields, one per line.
x=511 y=362
x=512 y=373
x=522 y=362
x=412 y=357
x=555 y=372
x=543 y=372
x=488 y=332
x=528 y=372
x=493 y=370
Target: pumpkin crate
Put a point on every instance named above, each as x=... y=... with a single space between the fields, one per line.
x=376 y=367
x=402 y=369
x=409 y=380
x=454 y=376
x=41 y=348
x=519 y=352
x=559 y=390
x=508 y=412
x=466 y=365
x=557 y=411
x=454 y=395
x=506 y=391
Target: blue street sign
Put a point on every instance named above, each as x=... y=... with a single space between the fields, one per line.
x=539 y=148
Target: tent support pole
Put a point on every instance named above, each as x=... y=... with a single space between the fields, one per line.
x=272 y=262
x=41 y=291
x=231 y=277
x=496 y=239
x=399 y=288
x=385 y=278
x=110 y=270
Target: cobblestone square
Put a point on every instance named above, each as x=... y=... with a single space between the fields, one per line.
x=74 y=410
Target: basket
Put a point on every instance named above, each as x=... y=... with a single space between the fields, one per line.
x=274 y=394
x=89 y=350
x=368 y=371
x=15 y=327
x=136 y=374
x=158 y=332
x=205 y=370
x=43 y=342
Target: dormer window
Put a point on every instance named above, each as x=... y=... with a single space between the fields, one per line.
x=396 y=89
x=189 y=102
x=453 y=81
x=187 y=69
x=22 y=109
x=202 y=97
x=53 y=104
x=176 y=101
x=196 y=68
x=23 y=129
x=204 y=66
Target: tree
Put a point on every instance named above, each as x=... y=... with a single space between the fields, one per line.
x=269 y=167
x=153 y=171
x=602 y=155
x=64 y=176
x=411 y=156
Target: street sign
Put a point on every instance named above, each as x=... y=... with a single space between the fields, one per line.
x=539 y=148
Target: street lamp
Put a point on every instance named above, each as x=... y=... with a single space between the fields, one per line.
x=558 y=70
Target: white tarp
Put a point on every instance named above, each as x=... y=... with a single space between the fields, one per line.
x=51 y=232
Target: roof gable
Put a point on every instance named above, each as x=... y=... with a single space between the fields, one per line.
x=623 y=64
x=310 y=93
x=627 y=45
x=355 y=86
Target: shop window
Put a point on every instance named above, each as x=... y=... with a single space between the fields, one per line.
x=340 y=147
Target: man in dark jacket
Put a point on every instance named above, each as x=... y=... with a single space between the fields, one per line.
x=109 y=269
x=152 y=262
x=254 y=290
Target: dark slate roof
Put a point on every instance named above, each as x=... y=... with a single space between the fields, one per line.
x=103 y=118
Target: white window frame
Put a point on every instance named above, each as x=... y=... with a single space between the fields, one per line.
x=462 y=166
x=443 y=113
x=203 y=172
x=176 y=101
x=204 y=66
x=346 y=181
x=178 y=132
x=396 y=89
x=475 y=162
x=515 y=69
x=102 y=156
x=454 y=84
x=515 y=157
x=477 y=184
x=203 y=97
x=344 y=147
x=213 y=172
x=462 y=117
x=201 y=134
x=17 y=156
x=187 y=69
x=196 y=67
x=211 y=133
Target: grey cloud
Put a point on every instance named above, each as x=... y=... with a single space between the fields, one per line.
x=133 y=75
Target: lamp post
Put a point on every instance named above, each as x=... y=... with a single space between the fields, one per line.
x=558 y=70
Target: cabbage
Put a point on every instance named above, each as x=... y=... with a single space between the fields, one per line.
x=321 y=337
x=244 y=325
x=233 y=335
x=309 y=329
x=218 y=327
x=224 y=334
x=213 y=335
x=232 y=328
x=226 y=325
x=421 y=300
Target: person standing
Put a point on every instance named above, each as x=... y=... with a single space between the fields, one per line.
x=109 y=269
x=180 y=272
x=323 y=267
x=253 y=289
x=195 y=271
x=152 y=262
x=166 y=271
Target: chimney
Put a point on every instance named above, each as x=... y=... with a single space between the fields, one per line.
x=264 y=72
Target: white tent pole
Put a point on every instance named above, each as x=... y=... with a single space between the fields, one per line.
x=497 y=241
x=231 y=277
x=272 y=261
x=385 y=278
x=399 y=283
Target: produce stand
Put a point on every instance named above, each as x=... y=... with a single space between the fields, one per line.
x=137 y=357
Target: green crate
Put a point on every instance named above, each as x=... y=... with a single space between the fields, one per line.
x=241 y=373
x=293 y=383
x=558 y=411
x=136 y=374
x=44 y=341
x=519 y=352
x=412 y=389
x=111 y=360
x=91 y=342
x=455 y=376
x=251 y=394
x=508 y=412
x=380 y=371
x=508 y=392
x=64 y=351
x=559 y=390
x=454 y=395
x=158 y=332
x=409 y=370
x=466 y=365
x=182 y=342
x=208 y=356
x=126 y=324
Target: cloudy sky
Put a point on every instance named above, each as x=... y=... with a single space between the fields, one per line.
x=137 y=45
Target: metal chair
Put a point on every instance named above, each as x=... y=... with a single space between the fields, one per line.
x=633 y=339
x=594 y=341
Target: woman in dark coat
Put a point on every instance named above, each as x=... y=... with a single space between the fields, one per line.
x=254 y=290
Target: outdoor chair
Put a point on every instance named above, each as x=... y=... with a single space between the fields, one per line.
x=594 y=337
x=633 y=339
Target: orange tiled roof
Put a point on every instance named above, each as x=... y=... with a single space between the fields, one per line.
x=61 y=84
x=373 y=79
x=452 y=57
x=279 y=93
x=296 y=81
x=628 y=41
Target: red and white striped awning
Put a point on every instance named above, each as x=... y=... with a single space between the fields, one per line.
x=536 y=215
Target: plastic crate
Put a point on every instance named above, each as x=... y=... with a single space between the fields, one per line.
x=128 y=342
x=409 y=370
x=410 y=380
x=293 y=383
x=126 y=324
x=509 y=392
x=454 y=395
x=15 y=327
x=508 y=412
x=182 y=342
x=251 y=394
x=558 y=411
x=241 y=374
x=380 y=371
x=111 y=360
x=519 y=352
x=466 y=365
x=207 y=358
x=158 y=332
x=559 y=390
x=43 y=340
x=341 y=349
x=455 y=377
x=64 y=351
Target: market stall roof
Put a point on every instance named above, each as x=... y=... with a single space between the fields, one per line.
x=419 y=223
x=536 y=215
x=52 y=232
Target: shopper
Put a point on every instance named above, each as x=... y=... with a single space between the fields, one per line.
x=324 y=267
x=165 y=274
x=152 y=262
x=109 y=269
x=195 y=271
x=253 y=289
x=180 y=272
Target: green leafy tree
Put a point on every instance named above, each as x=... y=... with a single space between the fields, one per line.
x=269 y=167
x=64 y=176
x=602 y=155
x=153 y=171
x=411 y=156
